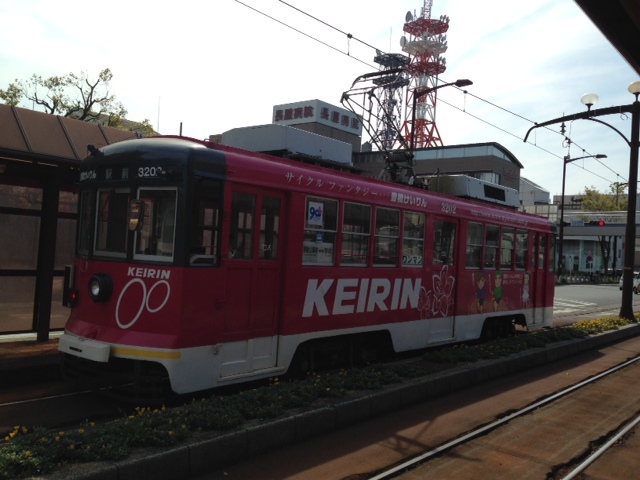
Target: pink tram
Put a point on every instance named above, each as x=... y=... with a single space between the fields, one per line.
x=209 y=266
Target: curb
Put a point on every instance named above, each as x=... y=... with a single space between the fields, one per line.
x=203 y=453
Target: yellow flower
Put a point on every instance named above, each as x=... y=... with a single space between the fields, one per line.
x=171 y=433
x=27 y=454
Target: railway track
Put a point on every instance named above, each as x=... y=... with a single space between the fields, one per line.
x=579 y=425
x=575 y=366
x=53 y=405
x=56 y=403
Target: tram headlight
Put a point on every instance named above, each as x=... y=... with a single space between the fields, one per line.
x=100 y=287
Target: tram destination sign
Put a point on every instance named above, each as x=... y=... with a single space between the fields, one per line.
x=122 y=173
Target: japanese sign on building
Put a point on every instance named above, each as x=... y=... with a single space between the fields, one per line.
x=317 y=111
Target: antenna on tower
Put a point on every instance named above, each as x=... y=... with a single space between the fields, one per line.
x=378 y=95
x=426 y=44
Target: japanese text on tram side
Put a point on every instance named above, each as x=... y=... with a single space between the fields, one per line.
x=395 y=197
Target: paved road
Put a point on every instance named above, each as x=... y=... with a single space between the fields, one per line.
x=578 y=302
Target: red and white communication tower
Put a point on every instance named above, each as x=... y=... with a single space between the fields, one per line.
x=425 y=45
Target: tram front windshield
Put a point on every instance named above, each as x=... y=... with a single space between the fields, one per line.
x=107 y=227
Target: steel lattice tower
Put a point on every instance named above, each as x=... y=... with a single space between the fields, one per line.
x=425 y=46
x=390 y=107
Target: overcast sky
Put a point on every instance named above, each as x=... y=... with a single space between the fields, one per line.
x=218 y=65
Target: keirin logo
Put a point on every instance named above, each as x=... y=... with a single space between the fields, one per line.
x=144 y=301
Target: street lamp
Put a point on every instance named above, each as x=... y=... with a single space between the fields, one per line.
x=458 y=83
x=626 y=307
x=567 y=159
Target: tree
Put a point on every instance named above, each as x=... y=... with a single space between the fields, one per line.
x=11 y=95
x=615 y=200
x=75 y=96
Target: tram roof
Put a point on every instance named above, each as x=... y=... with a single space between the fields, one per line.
x=176 y=150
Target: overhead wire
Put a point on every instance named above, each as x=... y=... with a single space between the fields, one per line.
x=585 y=152
x=350 y=37
x=516 y=136
x=303 y=33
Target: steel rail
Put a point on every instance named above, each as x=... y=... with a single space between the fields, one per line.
x=43 y=399
x=596 y=455
x=403 y=467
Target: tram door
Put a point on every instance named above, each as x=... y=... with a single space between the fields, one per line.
x=442 y=324
x=539 y=277
x=252 y=282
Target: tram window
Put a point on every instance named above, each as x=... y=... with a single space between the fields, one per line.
x=320 y=231
x=413 y=239
x=386 y=239
x=492 y=243
x=157 y=236
x=111 y=222
x=506 y=248
x=542 y=252
x=356 y=233
x=444 y=243
x=474 y=245
x=522 y=250
x=552 y=253
x=84 y=223
x=243 y=209
x=269 y=228
x=205 y=246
